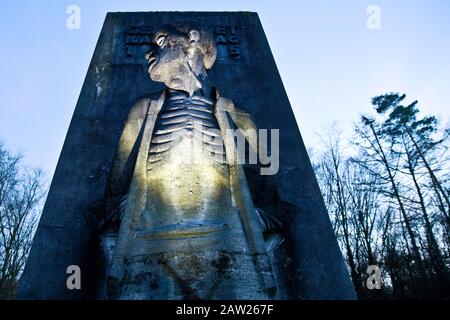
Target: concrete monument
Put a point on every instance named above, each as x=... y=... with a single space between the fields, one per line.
x=166 y=190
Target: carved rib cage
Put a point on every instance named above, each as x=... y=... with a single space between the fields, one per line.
x=190 y=119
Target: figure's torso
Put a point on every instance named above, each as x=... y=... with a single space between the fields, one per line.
x=186 y=120
x=187 y=174
x=188 y=241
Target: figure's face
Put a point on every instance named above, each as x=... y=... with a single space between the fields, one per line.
x=173 y=58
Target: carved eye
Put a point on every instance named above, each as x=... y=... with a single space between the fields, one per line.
x=160 y=40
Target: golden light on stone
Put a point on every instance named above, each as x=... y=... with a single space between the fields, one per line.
x=188 y=178
x=169 y=217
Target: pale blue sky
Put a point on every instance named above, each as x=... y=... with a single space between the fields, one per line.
x=330 y=62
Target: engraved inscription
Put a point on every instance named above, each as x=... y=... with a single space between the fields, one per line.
x=225 y=36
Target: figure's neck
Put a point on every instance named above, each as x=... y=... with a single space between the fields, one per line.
x=198 y=78
x=197 y=84
x=199 y=93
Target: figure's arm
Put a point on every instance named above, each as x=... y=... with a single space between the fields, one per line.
x=103 y=214
x=270 y=209
x=143 y=111
x=123 y=165
x=244 y=122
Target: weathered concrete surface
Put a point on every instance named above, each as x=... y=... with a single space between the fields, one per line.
x=244 y=72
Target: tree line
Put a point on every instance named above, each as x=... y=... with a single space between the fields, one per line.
x=21 y=194
x=387 y=193
x=386 y=190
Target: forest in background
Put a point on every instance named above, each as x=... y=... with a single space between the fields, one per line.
x=386 y=188
x=22 y=191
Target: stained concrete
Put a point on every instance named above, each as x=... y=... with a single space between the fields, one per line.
x=245 y=72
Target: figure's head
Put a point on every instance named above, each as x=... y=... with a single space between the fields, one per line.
x=180 y=56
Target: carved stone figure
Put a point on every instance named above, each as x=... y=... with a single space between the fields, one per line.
x=180 y=221
x=150 y=198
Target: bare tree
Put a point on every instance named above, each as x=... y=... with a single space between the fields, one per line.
x=333 y=168
x=21 y=192
x=388 y=199
x=352 y=205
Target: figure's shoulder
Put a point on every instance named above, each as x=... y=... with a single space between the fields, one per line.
x=141 y=105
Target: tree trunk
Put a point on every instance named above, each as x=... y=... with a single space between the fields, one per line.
x=400 y=203
x=433 y=248
x=433 y=177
